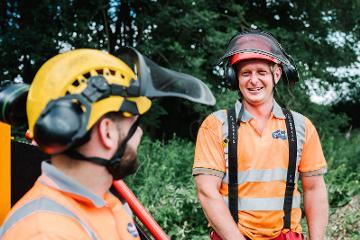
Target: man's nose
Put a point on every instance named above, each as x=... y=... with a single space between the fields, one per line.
x=253 y=78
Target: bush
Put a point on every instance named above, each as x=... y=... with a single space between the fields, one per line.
x=165 y=186
x=343 y=157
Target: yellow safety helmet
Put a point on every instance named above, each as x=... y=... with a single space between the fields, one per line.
x=73 y=77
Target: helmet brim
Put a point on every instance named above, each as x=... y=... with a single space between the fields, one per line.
x=236 y=58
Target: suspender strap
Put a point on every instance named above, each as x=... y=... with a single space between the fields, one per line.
x=290 y=180
x=233 y=125
x=233 y=183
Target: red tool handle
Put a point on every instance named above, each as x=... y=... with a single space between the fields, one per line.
x=140 y=211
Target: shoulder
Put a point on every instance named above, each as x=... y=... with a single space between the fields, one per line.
x=41 y=217
x=213 y=124
x=217 y=118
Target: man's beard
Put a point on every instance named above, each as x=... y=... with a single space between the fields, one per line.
x=128 y=164
x=127 y=168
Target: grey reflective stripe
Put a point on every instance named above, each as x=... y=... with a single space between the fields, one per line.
x=221 y=115
x=207 y=171
x=43 y=204
x=264 y=175
x=263 y=204
x=299 y=121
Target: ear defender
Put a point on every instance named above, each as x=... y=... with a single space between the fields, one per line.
x=230 y=81
x=58 y=124
x=290 y=71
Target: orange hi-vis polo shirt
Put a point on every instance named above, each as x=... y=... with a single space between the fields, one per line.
x=57 y=207
x=263 y=159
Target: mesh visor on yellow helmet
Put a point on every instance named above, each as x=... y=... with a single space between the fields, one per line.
x=157 y=81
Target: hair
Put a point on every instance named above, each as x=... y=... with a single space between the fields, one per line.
x=115 y=116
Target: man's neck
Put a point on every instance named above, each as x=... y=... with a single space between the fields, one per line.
x=259 y=111
x=93 y=177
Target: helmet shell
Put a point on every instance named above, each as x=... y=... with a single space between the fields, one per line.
x=254 y=45
x=67 y=73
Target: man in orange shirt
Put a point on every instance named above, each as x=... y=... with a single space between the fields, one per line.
x=83 y=108
x=248 y=159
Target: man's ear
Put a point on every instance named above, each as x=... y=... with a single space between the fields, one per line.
x=277 y=73
x=107 y=133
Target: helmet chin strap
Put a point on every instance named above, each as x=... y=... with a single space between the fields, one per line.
x=112 y=164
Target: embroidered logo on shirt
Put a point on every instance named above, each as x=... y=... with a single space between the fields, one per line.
x=132 y=230
x=279 y=134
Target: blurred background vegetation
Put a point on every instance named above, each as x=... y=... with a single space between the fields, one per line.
x=322 y=36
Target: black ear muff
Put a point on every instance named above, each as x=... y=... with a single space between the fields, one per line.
x=13 y=102
x=290 y=71
x=290 y=74
x=231 y=81
x=58 y=124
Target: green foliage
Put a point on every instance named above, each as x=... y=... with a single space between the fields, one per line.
x=343 y=179
x=327 y=123
x=164 y=185
x=347 y=221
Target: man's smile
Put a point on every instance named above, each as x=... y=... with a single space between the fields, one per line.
x=255 y=89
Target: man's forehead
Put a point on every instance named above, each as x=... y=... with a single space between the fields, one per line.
x=254 y=63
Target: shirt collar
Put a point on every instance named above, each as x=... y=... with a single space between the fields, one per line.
x=277 y=111
x=54 y=178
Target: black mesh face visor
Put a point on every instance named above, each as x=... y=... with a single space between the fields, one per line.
x=259 y=45
x=157 y=81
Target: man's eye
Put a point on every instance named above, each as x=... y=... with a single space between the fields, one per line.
x=262 y=73
x=245 y=74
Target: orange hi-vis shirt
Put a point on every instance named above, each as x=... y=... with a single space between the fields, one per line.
x=262 y=166
x=57 y=207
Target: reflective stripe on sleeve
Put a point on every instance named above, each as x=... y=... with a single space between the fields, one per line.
x=263 y=204
x=43 y=204
x=318 y=172
x=257 y=175
x=207 y=171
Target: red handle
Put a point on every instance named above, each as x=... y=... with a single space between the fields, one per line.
x=140 y=211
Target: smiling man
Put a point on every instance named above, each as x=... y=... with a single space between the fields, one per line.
x=248 y=158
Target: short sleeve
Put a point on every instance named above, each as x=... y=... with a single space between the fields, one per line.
x=209 y=153
x=312 y=159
